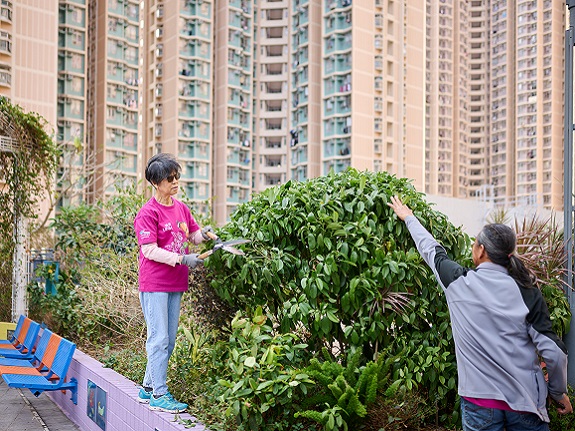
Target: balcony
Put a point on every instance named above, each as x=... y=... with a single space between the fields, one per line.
x=71 y=15
x=73 y=109
x=68 y=84
x=6 y=11
x=5 y=78
x=5 y=43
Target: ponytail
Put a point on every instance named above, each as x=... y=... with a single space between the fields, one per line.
x=520 y=273
x=499 y=242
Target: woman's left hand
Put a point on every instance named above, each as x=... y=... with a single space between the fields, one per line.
x=563 y=405
x=208 y=233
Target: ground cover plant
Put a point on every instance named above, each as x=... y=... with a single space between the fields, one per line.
x=331 y=321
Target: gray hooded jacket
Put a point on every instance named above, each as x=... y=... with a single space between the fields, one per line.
x=499 y=329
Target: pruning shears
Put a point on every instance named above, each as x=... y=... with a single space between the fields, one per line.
x=224 y=245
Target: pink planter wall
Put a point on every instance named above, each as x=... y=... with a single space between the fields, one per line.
x=123 y=411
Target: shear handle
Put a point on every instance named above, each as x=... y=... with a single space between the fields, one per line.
x=205 y=254
x=212 y=235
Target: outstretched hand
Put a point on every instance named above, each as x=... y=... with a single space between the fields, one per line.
x=400 y=209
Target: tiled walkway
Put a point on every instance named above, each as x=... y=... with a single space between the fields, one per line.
x=22 y=411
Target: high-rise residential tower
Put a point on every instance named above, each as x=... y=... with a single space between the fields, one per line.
x=463 y=97
x=28 y=55
x=177 y=67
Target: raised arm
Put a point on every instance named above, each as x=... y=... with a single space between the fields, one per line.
x=445 y=269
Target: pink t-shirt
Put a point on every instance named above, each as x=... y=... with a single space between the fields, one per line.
x=169 y=227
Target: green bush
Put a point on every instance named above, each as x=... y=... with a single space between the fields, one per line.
x=562 y=422
x=330 y=256
x=128 y=360
x=261 y=378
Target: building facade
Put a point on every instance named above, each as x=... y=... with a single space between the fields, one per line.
x=463 y=97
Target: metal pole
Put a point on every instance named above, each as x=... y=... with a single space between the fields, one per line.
x=20 y=269
x=568 y=182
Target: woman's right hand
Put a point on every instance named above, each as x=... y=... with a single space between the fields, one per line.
x=400 y=209
x=191 y=260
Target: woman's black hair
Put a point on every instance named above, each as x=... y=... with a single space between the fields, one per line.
x=160 y=167
x=499 y=241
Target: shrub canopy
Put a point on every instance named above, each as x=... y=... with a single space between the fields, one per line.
x=329 y=255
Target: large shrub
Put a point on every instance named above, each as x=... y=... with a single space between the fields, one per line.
x=329 y=255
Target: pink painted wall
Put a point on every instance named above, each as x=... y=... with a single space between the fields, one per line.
x=124 y=412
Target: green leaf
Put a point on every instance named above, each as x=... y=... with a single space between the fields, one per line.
x=311 y=241
x=267 y=275
x=250 y=361
x=264 y=385
x=331 y=316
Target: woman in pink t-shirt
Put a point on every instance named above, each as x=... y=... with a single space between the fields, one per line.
x=164 y=227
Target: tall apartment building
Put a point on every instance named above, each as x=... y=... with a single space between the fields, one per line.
x=496 y=69
x=28 y=58
x=448 y=171
x=530 y=101
x=98 y=93
x=73 y=87
x=463 y=97
x=28 y=55
x=177 y=90
x=271 y=94
x=234 y=84
x=273 y=85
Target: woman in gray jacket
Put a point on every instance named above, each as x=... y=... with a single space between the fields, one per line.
x=501 y=327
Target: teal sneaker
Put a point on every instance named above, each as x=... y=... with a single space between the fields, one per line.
x=167 y=403
x=144 y=396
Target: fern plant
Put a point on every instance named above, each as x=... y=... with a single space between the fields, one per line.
x=345 y=392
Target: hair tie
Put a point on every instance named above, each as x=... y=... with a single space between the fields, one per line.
x=509 y=255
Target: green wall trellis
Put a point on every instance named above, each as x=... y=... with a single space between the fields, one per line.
x=28 y=162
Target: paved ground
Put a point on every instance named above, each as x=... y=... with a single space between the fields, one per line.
x=22 y=411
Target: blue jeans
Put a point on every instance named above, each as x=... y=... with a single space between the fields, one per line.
x=476 y=418
x=162 y=314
